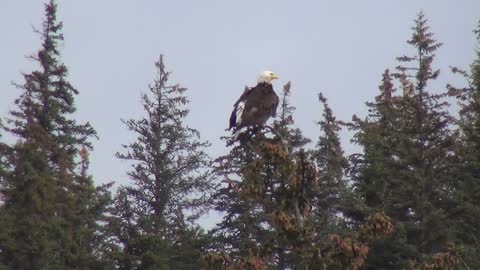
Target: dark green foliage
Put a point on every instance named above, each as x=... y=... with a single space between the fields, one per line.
x=329 y=153
x=332 y=195
x=241 y=229
x=51 y=208
x=408 y=200
x=152 y=218
x=89 y=207
x=281 y=210
x=466 y=210
x=405 y=169
x=3 y=161
x=31 y=230
x=260 y=195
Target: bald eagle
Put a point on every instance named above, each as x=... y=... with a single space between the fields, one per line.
x=256 y=105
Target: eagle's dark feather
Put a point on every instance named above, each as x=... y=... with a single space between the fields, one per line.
x=254 y=106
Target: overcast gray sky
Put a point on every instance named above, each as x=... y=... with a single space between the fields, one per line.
x=215 y=48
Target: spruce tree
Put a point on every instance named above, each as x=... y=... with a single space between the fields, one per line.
x=3 y=162
x=333 y=196
x=466 y=210
x=41 y=218
x=153 y=218
x=429 y=145
x=405 y=168
x=373 y=173
x=90 y=205
x=271 y=187
x=3 y=175
x=263 y=205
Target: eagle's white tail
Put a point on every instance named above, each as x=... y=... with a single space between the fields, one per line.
x=237 y=133
x=239 y=112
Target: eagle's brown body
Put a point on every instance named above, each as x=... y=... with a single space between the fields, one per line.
x=254 y=107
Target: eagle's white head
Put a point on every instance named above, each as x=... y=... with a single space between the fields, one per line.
x=267 y=77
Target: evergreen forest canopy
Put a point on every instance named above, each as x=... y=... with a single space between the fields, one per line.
x=409 y=199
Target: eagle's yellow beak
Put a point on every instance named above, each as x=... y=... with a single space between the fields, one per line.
x=274 y=76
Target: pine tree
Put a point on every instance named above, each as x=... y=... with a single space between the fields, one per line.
x=405 y=168
x=170 y=183
x=40 y=217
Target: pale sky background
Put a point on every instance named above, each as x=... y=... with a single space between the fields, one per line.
x=215 y=48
